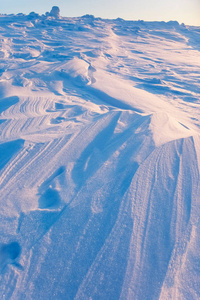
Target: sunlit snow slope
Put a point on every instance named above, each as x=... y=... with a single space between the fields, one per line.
x=99 y=159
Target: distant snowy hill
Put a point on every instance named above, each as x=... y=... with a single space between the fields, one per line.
x=99 y=159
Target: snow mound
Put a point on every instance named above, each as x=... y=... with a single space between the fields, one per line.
x=55 y=12
x=77 y=69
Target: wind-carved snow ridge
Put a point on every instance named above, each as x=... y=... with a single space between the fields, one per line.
x=99 y=158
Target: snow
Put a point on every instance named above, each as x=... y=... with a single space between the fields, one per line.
x=100 y=158
x=55 y=12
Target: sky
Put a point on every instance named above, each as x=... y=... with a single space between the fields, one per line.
x=183 y=11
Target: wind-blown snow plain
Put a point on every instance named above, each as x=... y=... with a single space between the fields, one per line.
x=100 y=159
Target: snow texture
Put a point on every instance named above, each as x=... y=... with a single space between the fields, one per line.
x=100 y=159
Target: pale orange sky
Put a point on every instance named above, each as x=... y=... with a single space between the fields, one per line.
x=183 y=11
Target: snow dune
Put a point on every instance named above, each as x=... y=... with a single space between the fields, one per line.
x=100 y=159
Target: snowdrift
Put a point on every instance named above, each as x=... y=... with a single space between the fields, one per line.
x=100 y=159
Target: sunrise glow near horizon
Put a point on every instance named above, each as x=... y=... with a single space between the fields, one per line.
x=183 y=11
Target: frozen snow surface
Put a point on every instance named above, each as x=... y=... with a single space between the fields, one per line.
x=99 y=159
